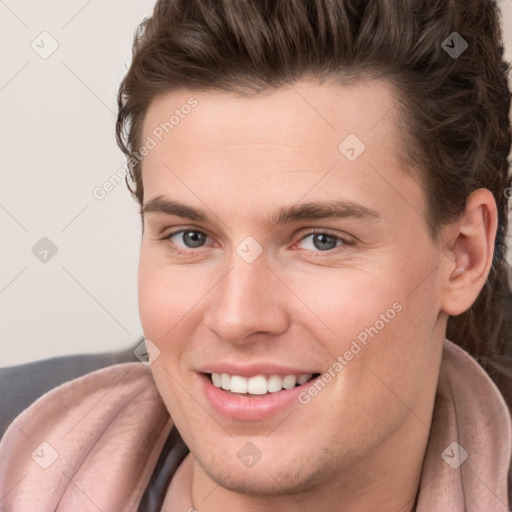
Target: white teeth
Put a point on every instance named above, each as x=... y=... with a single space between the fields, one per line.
x=216 y=379
x=289 y=382
x=225 y=381
x=256 y=385
x=275 y=383
x=238 y=384
x=259 y=384
x=303 y=379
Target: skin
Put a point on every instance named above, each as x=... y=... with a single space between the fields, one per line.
x=359 y=444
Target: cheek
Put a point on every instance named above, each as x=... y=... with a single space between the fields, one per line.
x=165 y=295
x=153 y=299
x=380 y=315
x=344 y=302
x=164 y=301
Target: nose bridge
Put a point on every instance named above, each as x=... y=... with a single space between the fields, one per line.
x=240 y=288
x=246 y=301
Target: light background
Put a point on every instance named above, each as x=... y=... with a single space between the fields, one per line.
x=57 y=145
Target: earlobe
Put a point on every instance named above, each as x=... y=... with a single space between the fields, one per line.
x=471 y=249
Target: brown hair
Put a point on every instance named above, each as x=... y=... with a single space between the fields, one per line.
x=454 y=109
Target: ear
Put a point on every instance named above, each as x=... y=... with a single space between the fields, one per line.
x=470 y=252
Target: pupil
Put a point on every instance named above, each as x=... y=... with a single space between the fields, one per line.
x=193 y=238
x=324 y=241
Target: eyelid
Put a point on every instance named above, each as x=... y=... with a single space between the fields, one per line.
x=182 y=230
x=325 y=231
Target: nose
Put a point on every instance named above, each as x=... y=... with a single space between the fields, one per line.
x=249 y=301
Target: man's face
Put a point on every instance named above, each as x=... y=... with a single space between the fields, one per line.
x=248 y=297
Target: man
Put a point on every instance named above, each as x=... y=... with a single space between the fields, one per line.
x=321 y=198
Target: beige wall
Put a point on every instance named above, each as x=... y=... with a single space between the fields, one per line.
x=57 y=145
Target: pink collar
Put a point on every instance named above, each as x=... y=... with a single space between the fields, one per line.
x=92 y=443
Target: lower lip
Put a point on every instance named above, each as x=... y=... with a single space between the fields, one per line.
x=255 y=407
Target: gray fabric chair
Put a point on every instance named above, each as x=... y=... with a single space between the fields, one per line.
x=23 y=384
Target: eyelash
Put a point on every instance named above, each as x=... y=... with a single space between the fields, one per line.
x=173 y=248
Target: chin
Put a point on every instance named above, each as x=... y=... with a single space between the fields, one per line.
x=272 y=475
x=261 y=481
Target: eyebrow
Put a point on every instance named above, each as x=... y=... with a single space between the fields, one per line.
x=336 y=209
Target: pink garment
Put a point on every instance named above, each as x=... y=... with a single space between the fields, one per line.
x=92 y=443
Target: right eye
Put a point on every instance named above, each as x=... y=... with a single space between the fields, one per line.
x=190 y=239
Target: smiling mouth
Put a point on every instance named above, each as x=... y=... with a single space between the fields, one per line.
x=259 y=384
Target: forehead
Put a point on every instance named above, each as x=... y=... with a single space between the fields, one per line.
x=304 y=138
x=312 y=114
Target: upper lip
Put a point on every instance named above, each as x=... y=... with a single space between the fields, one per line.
x=250 y=370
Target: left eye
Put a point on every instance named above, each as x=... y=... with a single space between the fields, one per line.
x=192 y=239
x=321 y=241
